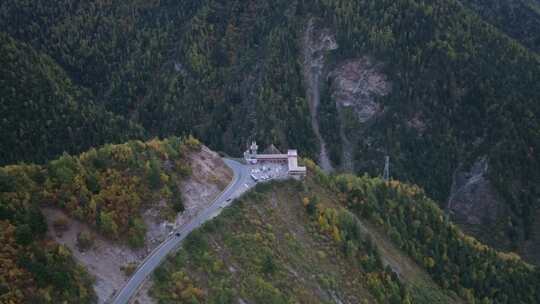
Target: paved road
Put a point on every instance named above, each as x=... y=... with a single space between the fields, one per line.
x=240 y=183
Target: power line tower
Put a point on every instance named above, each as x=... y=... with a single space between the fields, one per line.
x=386 y=173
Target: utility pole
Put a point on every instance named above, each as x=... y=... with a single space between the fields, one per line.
x=386 y=173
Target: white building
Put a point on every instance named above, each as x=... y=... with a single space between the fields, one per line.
x=291 y=159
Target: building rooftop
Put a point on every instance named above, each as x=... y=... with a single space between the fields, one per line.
x=293 y=162
x=291 y=158
x=272 y=156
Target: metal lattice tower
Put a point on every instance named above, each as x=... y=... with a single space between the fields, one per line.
x=386 y=173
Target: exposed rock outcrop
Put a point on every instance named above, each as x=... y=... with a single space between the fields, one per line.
x=357 y=83
x=316 y=42
x=354 y=84
x=473 y=199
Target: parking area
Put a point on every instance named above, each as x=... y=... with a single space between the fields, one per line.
x=265 y=171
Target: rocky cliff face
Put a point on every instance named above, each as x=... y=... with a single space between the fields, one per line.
x=355 y=86
x=317 y=41
x=356 y=83
x=473 y=199
x=477 y=207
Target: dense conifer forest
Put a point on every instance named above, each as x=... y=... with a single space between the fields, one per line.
x=44 y=113
x=519 y=19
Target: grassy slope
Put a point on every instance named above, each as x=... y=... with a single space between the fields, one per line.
x=229 y=258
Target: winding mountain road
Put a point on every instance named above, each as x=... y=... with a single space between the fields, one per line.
x=240 y=183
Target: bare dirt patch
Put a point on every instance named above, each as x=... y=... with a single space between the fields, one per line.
x=356 y=83
x=210 y=176
x=103 y=260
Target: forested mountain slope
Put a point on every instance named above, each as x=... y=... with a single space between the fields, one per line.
x=34 y=269
x=341 y=239
x=110 y=188
x=519 y=19
x=180 y=67
x=462 y=90
x=44 y=114
x=268 y=248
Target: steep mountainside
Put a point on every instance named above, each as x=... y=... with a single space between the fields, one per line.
x=180 y=67
x=110 y=261
x=107 y=208
x=33 y=268
x=458 y=95
x=437 y=85
x=341 y=239
x=44 y=114
x=109 y=187
x=268 y=248
x=519 y=19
